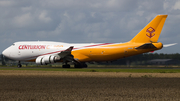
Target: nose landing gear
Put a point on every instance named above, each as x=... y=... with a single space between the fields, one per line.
x=19 y=64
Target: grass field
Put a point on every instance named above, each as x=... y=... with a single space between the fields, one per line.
x=132 y=70
x=52 y=85
x=89 y=84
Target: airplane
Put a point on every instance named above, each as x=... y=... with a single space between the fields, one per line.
x=48 y=52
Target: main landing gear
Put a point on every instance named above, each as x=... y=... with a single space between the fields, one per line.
x=79 y=65
x=66 y=65
x=19 y=64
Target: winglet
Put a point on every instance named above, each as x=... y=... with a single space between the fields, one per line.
x=69 y=49
x=152 y=31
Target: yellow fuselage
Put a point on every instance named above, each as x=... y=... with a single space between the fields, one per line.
x=112 y=52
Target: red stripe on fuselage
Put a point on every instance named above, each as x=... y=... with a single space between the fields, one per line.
x=73 y=49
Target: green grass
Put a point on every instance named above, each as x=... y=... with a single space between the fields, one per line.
x=98 y=70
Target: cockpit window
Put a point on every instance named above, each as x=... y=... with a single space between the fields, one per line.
x=13 y=44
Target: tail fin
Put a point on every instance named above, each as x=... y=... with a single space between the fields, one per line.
x=152 y=31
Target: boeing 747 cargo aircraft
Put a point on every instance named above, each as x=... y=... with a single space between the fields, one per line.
x=47 y=52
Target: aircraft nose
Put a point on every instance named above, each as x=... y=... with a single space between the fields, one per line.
x=5 y=53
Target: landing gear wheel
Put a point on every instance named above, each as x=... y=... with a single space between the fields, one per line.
x=19 y=64
x=82 y=65
x=78 y=66
x=66 y=66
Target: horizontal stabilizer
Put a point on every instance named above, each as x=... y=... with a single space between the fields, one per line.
x=167 y=45
x=146 y=46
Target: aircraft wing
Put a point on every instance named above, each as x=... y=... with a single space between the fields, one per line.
x=66 y=54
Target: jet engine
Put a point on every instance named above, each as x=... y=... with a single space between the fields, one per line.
x=44 y=60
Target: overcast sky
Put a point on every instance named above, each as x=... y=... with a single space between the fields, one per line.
x=86 y=21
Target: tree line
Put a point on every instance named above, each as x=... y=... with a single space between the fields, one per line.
x=150 y=56
x=146 y=57
x=136 y=58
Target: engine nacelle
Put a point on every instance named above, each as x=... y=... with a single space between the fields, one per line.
x=39 y=61
x=44 y=60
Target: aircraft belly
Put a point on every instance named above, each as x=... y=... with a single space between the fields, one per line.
x=98 y=54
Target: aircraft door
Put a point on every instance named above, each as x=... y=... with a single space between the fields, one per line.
x=19 y=52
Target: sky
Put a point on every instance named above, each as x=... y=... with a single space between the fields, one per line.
x=86 y=21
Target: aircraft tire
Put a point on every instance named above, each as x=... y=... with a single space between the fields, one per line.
x=66 y=66
x=78 y=66
x=83 y=65
x=19 y=65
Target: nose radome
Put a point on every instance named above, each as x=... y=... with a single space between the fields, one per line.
x=5 y=53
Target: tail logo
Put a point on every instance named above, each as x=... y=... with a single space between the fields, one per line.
x=150 y=32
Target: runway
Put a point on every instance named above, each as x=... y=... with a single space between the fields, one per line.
x=23 y=85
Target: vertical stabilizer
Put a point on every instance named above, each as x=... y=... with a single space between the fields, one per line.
x=152 y=31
